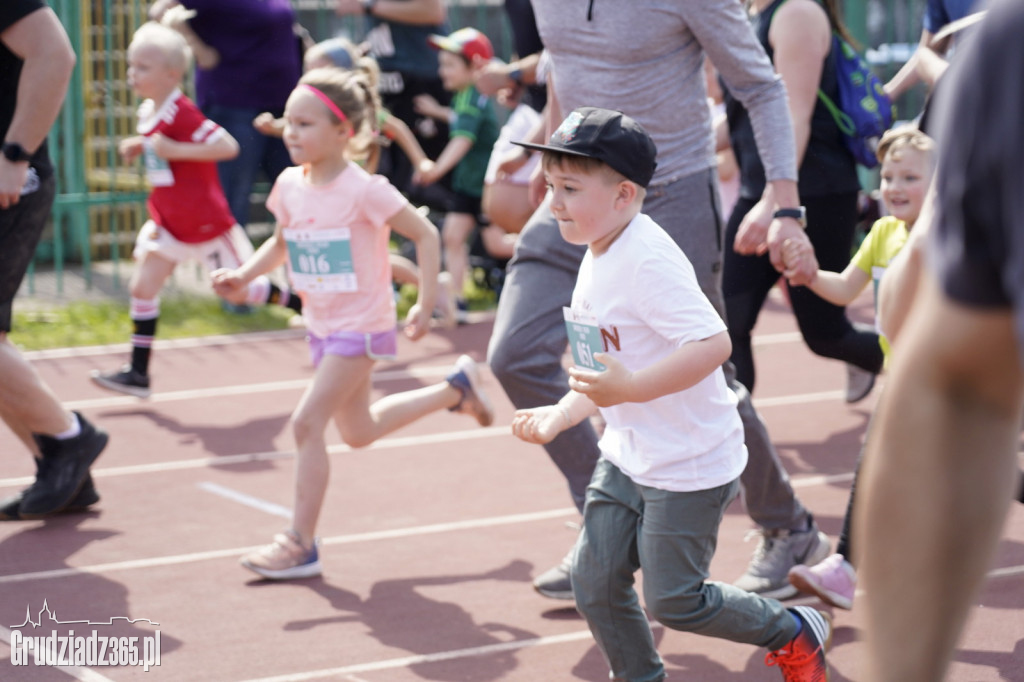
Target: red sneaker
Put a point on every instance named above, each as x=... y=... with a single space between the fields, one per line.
x=803 y=659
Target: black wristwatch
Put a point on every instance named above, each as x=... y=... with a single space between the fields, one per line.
x=15 y=153
x=798 y=214
x=368 y=6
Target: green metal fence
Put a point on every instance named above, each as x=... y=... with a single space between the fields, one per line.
x=101 y=203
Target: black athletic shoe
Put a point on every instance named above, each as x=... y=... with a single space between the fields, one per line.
x=10 y=508
x=125 y=380
x=63 y=468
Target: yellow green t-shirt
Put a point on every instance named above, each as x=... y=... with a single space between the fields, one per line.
x=887 y=237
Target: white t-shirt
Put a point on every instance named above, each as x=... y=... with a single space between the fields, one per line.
x=644 y=295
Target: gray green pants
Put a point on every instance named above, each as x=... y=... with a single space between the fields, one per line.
x=672 y=536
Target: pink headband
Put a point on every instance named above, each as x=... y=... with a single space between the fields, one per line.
x=335 y=109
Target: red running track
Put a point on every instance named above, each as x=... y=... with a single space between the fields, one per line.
x=430 y=538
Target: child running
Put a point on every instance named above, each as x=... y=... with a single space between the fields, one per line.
x=333 y=225
x=189 y=215
x=672 y=450
x=906 y=157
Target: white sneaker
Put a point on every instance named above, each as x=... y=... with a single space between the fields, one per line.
x=859 y=383
x=777 y=552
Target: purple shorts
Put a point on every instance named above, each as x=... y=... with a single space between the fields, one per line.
x=376 y=345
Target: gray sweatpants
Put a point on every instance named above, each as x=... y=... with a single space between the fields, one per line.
x=672 y=536
x=529 y=339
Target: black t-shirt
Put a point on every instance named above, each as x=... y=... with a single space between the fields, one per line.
x=827 y=166
x=977 y=244
x=12 y=11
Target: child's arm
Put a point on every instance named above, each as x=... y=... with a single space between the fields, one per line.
x=414 y=227
x=268 y=125
x=541 y=425
x=428 y=106
x=432 y=171
x=229 y=284
x=222 y=148
x=396 y=129
x=130 y=147
x=681 y=369
x=839 y=288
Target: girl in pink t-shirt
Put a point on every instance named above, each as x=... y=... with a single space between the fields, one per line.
x=333 y=223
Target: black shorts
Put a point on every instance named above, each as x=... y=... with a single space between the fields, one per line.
x=464 y=203
x=21 y=226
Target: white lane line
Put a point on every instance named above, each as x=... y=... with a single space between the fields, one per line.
x=426 y=372
x=472 y=652
x=396 y=533
x=77 y=672
x=385 y=443
x=246 y=458
x=247 y=500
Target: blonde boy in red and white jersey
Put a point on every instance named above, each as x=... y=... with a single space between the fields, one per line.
x=189 y=214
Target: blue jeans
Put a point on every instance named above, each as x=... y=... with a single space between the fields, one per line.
x=257 y=152
x=672 y=536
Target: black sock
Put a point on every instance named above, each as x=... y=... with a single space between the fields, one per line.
x=284 y=297
x=142 y=344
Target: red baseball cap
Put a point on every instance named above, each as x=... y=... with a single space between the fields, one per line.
x=467 y=42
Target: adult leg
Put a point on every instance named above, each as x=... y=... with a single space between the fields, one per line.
x=746 y=282
x=525 y=354
x=688 y=210
x=64 y=444
x=825 y=327
x=529 y=340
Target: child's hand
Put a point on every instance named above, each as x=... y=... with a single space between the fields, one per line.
x=795 y=256
x=130 y=148
x=162 y=145
x=511 y=161
x=417 y=322
x=428 y=106
x=266 y=124
x=539 y=425
x=607 y=388
x=425 y=173
x=229 y=286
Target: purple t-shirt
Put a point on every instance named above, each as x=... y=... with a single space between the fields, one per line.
x=259 y=53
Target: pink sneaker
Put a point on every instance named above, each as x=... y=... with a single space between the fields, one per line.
x=833 y=580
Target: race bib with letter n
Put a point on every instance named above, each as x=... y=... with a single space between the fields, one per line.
x=584 y=338
x=321 y=260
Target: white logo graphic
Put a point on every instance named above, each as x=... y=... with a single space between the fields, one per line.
x=82 y=650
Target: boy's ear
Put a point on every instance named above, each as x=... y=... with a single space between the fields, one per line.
x=627 y=193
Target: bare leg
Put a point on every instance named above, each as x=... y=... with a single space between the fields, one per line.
x=26 y=403
x=942 y=462
x=454 y=236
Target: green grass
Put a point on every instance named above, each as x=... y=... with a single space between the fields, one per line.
x=89 y=324
x=82 y=323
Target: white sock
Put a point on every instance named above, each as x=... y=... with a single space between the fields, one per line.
x=76 y=428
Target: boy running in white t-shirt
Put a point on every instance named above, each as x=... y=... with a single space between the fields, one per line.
x=672 y=451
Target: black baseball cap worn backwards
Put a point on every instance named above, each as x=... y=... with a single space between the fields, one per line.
x=608 y=136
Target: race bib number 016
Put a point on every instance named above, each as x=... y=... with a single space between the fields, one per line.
x=584 y=339
x=321 y=260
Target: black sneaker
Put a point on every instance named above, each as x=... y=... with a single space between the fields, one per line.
x=10 y=508
x=125 y=380
x=63 y=469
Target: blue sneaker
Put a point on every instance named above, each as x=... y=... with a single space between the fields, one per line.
x=465 y=377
